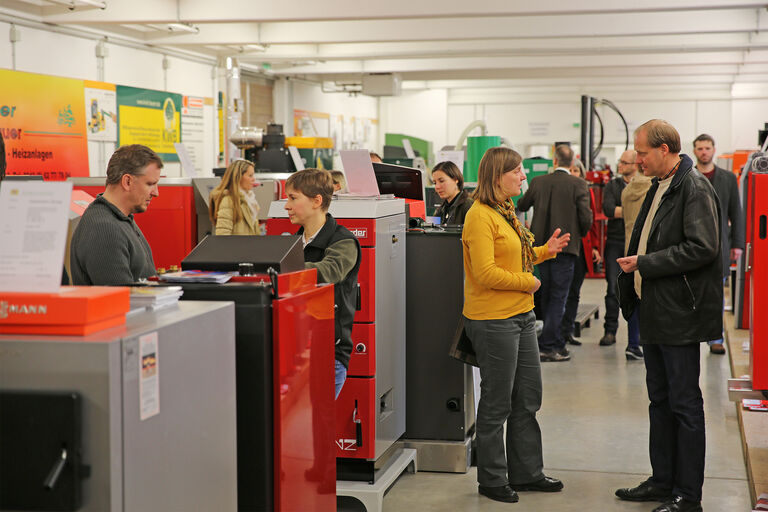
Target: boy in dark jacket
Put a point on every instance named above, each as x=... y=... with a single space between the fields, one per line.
x=330 y=248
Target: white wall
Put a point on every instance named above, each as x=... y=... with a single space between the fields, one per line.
x=747 y=117
x=359 y=127
x=534 y=116
x=50 y=53
x=421 y=114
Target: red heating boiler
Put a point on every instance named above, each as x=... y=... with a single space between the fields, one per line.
x=285 y=407
x=370 y=411
x=170 y=222
x=757 y=265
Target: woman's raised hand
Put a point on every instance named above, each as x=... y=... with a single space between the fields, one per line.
x=557 y=243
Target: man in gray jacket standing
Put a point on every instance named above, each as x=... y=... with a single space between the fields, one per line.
x=672 y=275
x=731 y=222
x=108 y=248
x=560 y=200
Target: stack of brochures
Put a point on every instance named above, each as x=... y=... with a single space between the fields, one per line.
x=196 y=276
x=754 y=404
x=762 y=503
x=154 y=297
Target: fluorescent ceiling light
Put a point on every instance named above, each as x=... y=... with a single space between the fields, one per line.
x=72 y=4
x=257 y=47
x=95 y=3
x=183 y=27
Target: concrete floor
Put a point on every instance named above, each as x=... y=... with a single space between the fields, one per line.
x=594 y=423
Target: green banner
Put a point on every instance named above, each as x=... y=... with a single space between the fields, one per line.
x=151 y=118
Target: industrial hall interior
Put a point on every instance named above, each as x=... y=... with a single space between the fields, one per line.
x=377 y=257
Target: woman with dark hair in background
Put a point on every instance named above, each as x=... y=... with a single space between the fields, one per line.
x=498 y=316
x=449 y=185
x=234 y=209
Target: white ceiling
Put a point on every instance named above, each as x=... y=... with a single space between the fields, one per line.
x=461 y=43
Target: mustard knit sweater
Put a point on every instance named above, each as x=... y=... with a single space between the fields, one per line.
x=495 y=285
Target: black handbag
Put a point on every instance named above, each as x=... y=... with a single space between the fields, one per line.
x=461 y=346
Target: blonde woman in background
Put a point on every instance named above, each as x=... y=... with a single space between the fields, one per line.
x=233 y=207
x=339 y=182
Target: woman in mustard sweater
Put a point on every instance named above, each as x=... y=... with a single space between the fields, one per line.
x=234 y=209
x=498 y=309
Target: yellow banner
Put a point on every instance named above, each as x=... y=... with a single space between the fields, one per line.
x=42 y=120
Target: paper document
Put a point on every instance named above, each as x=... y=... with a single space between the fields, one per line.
x=456 y=157
x=296 y=157
x=409 y=152
x=358 y=169
x=33 y=230
x=187 y=166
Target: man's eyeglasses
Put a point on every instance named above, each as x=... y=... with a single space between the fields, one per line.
x=626 y=163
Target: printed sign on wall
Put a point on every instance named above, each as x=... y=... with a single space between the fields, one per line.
x=151 y=118
x=42 y=120
x=101 y=111
x=192 y=128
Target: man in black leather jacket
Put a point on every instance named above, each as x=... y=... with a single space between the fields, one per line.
x=673 y=275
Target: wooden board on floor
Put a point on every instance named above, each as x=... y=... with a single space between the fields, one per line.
x=754 y=425
x=583 y=315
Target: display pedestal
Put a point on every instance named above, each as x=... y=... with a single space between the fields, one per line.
x=372 y=495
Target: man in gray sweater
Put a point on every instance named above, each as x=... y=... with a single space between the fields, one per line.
x=108 y=248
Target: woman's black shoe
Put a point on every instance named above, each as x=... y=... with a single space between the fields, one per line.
x=546 y=484
x=503 y=493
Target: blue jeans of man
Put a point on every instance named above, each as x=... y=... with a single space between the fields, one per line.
x=677 y=436
x=340 y=377
x=633 y=328
x=614 y=249
x=510 y=392
x=568 y=324
x=556 y=276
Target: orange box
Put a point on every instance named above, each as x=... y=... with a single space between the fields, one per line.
x=74 y=310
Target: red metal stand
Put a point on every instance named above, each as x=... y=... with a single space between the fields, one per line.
x=595 y=239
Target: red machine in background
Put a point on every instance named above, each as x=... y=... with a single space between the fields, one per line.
x=596 y=237
x=370 y=411
x=170 y=222
x=284 y=349
x=757 y=265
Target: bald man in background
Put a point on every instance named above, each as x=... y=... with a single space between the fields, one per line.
x=614 y=249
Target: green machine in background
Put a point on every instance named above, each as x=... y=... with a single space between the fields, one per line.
x=422 y=147
x=534 y=167
x=476 y=148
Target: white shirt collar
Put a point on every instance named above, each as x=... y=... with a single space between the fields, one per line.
x=563 y=169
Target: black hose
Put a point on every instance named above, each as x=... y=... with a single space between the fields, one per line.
x=602 y=134
x=613 y=107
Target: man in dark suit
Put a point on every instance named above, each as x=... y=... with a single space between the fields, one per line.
x=560 y=200
x=731 y=221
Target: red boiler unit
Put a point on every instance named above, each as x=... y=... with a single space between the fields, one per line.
x=284 y=349
x=370 y=411
x=170 y=222
x=757 y=264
